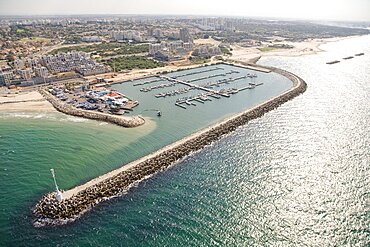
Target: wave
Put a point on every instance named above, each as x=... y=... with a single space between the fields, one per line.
x=48 y=116
x=74 y=119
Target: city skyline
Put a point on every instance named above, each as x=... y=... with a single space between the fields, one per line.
x=341 y=10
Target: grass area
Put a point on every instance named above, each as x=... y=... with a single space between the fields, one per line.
x=20 y=31
x=199 y=60
x=107 y=49
x=132 y=62
x=219 y=58
x=226 y=51
x=267 y=48
x=35 y=39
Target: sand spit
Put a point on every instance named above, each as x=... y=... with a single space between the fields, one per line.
x=80 y=199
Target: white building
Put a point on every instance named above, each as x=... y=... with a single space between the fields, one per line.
x=126 y=35
x=117 y=35
x=91 y=39
x=19 y=64
x=153 y=48
x=26 y=74
x=41 y=72
x=185 y=35
x=32 y=62
x=6 y=78
x=157 y=33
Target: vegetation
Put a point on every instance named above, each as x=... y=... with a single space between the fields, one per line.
x=107 y=49
x=132 y=62
x=267 y=48
x=198 y=60
x=275 y=47
x=34 y=39
x=226 y=51
x=20 y=31
x=220 y=58
x=72 y=40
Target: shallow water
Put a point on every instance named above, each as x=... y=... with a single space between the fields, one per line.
x=300 y=175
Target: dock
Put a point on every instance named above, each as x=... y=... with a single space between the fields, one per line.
x=194 y=86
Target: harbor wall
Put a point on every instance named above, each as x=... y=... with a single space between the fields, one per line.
x=80 y=199
x=128 y=122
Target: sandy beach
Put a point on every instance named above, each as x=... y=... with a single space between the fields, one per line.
x=24 y=102
x=308 y=47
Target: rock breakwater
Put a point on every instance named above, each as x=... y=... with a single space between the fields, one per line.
x=128 y=122
x=48 y=211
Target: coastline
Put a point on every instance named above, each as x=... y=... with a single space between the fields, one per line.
x=307 y=47
x=249 y=55
x=81 y=198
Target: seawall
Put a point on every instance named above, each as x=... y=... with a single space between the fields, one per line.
x=78 y=200
x=128 y=122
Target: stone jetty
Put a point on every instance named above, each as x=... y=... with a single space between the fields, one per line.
x=48 y=211
x=128 y=122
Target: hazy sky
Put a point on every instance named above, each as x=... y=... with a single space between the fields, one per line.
x=354 y=10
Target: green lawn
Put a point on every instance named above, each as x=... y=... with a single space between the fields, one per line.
x=199 y=60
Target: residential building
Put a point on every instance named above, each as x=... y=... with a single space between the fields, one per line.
x=26 y=74
x=185 y=35
x=41 y=72
x=6 y=78
x=91 y=39
x=19 y=64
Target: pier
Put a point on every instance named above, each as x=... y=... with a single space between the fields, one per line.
x=200 y=72
x=194 y=86
x=124 y=121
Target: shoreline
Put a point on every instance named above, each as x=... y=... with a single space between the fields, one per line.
x=303 y=48
x=81 y=198
x=249 y=55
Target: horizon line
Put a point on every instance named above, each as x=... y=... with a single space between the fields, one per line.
x=184 y=15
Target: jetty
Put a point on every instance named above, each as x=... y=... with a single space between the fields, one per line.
x=61 y=106
x=76 y=201
x=359 y=54
x=333 y=62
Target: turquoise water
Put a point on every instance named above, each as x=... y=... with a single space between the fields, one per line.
x=297 y=176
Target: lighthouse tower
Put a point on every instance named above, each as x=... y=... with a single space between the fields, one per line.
x=58 y=194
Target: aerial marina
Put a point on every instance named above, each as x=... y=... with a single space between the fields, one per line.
x=200 y=85
x=106 y=102
x=256 y=92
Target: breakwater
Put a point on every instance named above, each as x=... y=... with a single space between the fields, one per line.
x=128 y=122
x=48 y=211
